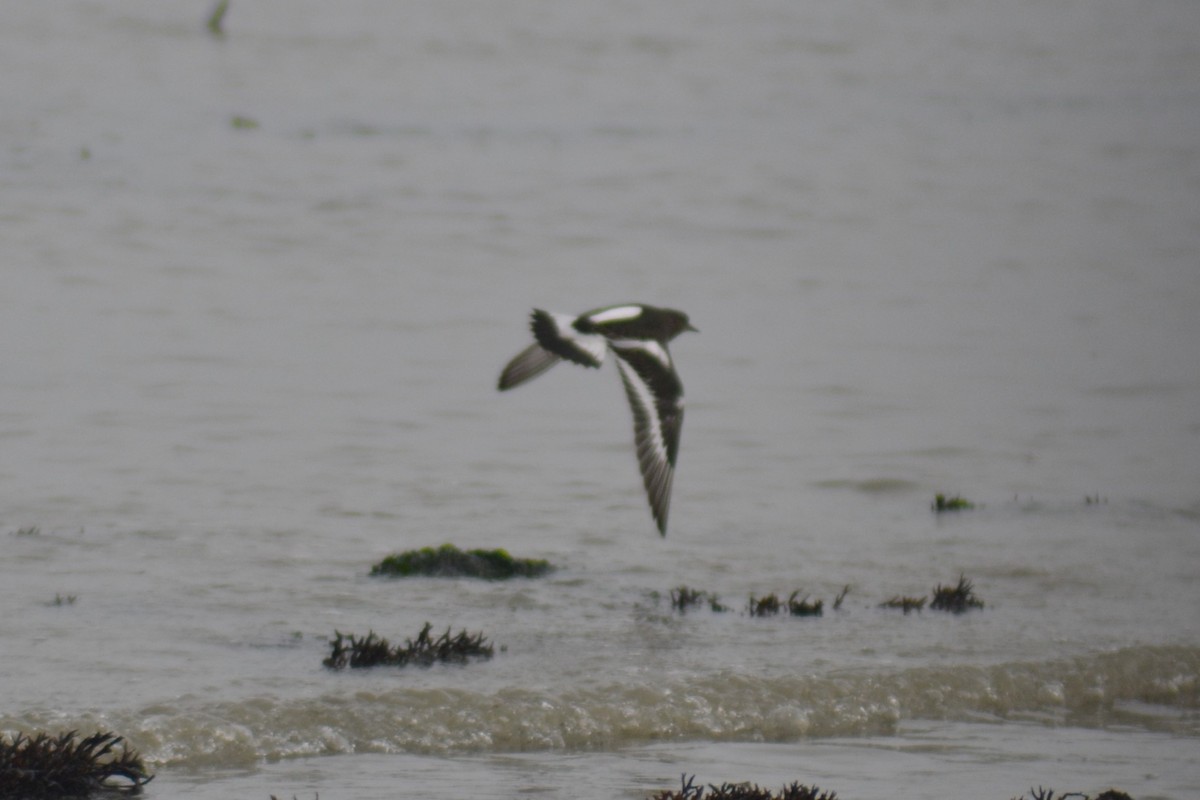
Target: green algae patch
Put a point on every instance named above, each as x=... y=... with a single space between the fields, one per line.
x=941 y=503
x=448 y=561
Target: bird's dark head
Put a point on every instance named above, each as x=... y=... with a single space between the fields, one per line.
x=678 y=323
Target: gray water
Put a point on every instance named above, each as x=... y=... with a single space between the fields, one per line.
x=256 y=291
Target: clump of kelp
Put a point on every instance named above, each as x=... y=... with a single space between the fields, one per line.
x=956 y=599
x=741 y=791
x=797 y=791
x=1048 y=794
x=44 y=766
x=448 y=561
x=684 y=598
x=797 y=606
x=375 y=651
x=906 y=604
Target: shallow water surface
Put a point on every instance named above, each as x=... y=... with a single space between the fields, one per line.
x=257 y=291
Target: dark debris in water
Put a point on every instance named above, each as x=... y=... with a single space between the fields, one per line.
x=956 y=599
x=375 y=651
x=44 y=766
x=741 y=791
x=449 y=561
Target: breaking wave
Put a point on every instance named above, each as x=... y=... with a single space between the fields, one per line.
x=1155 y=688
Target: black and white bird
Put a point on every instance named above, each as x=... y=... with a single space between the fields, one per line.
x=637 y=335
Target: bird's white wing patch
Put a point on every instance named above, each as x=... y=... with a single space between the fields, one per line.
x=557 y=334
x=593 y=344
x=648 y=346
x=615 y=314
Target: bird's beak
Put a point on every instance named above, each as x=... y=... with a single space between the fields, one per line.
x=692 y=327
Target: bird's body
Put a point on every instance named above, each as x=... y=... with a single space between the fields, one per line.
x=637 y=335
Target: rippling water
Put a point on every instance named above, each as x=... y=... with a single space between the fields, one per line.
x=257 y=289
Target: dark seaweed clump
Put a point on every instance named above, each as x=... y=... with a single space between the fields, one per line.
x=45 y=766
x=956 y=599
x=375 y=651
x=741 y=791
x=798 y=791
x=684 y=598
x=1048 y=794
x=771 y=604
x=449 y=561
x=906 y=604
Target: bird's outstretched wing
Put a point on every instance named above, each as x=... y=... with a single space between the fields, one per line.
x=557 y=339
x=557 y=333
x=527 y=365
x=656 y=398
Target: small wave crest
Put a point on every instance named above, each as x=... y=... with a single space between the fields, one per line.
x=1153 y=688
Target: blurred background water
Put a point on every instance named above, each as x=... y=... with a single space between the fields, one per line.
x=256 y=290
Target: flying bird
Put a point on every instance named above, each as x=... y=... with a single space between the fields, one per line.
x=637 y=335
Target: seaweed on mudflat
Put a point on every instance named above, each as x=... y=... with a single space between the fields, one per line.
x=957 y=599
x=741 y=791
x=771 y=604
x=351 y=651
x=684 y=598
x=1048 y=794
x=765 y=606
x=905 y=604
x=449 y=561
x=44 y=766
